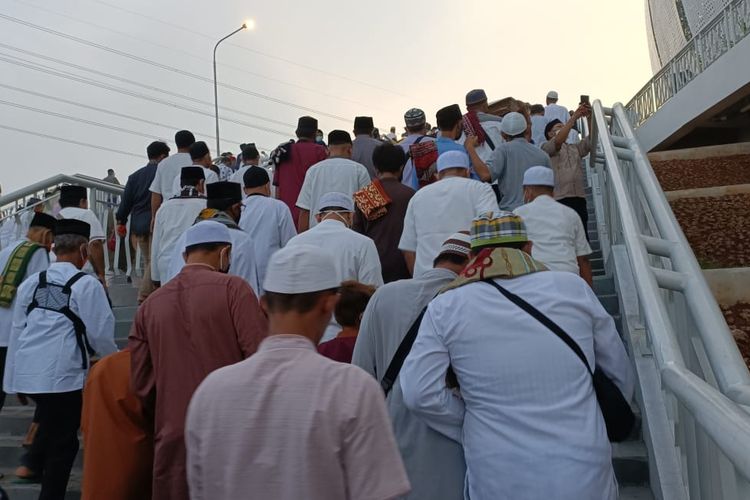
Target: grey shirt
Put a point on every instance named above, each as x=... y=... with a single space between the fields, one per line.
x=434 y=463
x=508 y=164
x=362 y=148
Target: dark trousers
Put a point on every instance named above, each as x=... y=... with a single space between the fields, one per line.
x=3 y=355
x=578 y=204
x=56 y=443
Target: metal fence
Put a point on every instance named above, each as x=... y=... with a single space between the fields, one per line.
x=16 y=211
x=730 y=26
x=704 y=380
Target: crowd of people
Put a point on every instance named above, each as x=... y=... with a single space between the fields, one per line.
x=356 y=317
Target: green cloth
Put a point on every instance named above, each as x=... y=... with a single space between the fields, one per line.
x=15 y=271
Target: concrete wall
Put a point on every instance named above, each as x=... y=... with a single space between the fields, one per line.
x=729 y=286
x=719 y=86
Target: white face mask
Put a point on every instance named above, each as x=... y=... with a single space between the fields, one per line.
x=343 y=219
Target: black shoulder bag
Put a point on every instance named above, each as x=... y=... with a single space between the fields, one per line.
x=403 y=350
x=618 y=416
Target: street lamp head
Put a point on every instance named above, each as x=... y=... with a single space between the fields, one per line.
x=249 y=24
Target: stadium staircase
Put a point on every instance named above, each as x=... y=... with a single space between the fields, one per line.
x=692 y=440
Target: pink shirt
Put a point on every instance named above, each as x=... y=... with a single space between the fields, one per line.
x=288 y=423
x=289 y=176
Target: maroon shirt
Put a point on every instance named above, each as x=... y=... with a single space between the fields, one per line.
x=289 y=175
x=339 y=349
x=386 y=231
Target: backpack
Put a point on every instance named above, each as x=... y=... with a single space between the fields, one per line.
x=56 y=298
x=424 y=157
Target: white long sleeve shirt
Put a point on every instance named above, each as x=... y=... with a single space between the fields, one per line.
x=527 y=416
x=437 y=211
x=172 y=219
x=269 y=224
x=39 y=262
x=242 y=260
x=355 y=256
x=556 y=233
x=43 y=355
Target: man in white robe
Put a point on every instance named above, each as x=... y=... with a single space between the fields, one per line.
x=434 y=463
x=355 y=255
x=50 y=350
x=250 y=158
x=440 y=209
x=74 y=204
x=527 y=414
x=338 y=173
x=201 y=157
x=223 y=204
x=556 y=230
x=173 y=218
x=266 y=220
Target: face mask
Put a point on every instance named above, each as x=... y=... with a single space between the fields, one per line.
x=319 y=138
x=343 y=219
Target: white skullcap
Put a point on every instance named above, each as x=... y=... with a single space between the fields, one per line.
x=336 y=200
x=452 y=159
x=539 y=176
x=300 y=269
x=552 y=94
x=207 y=231
x=513 y=124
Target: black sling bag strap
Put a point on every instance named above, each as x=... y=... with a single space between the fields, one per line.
x=403 y=350
x=78 y=326
x=618 y=416
x=487 y=139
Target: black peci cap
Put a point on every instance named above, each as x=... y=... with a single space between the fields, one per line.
x=72 y=226
x=43 y=220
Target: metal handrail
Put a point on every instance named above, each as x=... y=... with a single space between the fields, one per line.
x=704 y=380
x=101 y=202
x=726 y=29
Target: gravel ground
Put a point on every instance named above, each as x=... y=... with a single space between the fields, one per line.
x=675 y=175
x=718 y=229
x=738 y=319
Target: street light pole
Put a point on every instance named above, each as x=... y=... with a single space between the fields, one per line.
x=216 y=85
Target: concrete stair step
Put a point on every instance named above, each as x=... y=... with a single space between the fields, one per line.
x=121 y=343
x=11 y=451
x=636 y=493
x=630 y=461
x=123 y=295
x=122 y=329
x=604 y=286
x=17 y=490
x=611 y=303
x=15 y=420
x=124 y=313
x=597 y=263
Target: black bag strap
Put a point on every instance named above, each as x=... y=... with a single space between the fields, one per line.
x=487 y=139
x=403 y=350
x=72 y=281
x=539 y=316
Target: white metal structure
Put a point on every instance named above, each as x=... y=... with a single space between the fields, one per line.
x=103 y=200
x=694 y=423
x=725 y=31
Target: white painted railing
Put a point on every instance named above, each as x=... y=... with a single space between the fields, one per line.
x=704 y=380
x=730 y=26
x=103 y=200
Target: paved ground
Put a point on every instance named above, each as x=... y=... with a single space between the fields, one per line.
x=738 y=319
x=718 y=229
x=675 y=175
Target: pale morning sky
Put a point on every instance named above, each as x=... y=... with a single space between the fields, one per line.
x=341 y=58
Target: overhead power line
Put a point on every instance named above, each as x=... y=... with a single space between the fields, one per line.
x=193 y=32
x=135 y=83
x=69 y=76
x=166 y=67
x=109 y=29
x=69 y=141
x=108 y=111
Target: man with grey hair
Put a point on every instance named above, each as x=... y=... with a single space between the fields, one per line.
x=62 y=318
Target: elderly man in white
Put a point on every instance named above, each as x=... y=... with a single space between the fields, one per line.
x=440 y=209
x=556 y=230
x=355 y=255
x=61 y=316
x=527 y=414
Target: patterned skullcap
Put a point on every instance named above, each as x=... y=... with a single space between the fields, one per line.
x=493 y=229
x=457 y=244
x=414 y=117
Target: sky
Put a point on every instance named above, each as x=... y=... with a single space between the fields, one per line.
x=119 y=75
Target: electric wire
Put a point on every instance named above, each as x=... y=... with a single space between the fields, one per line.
x=69 y=76
x=69 y=141
x=167 y=67
x=189 y=54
